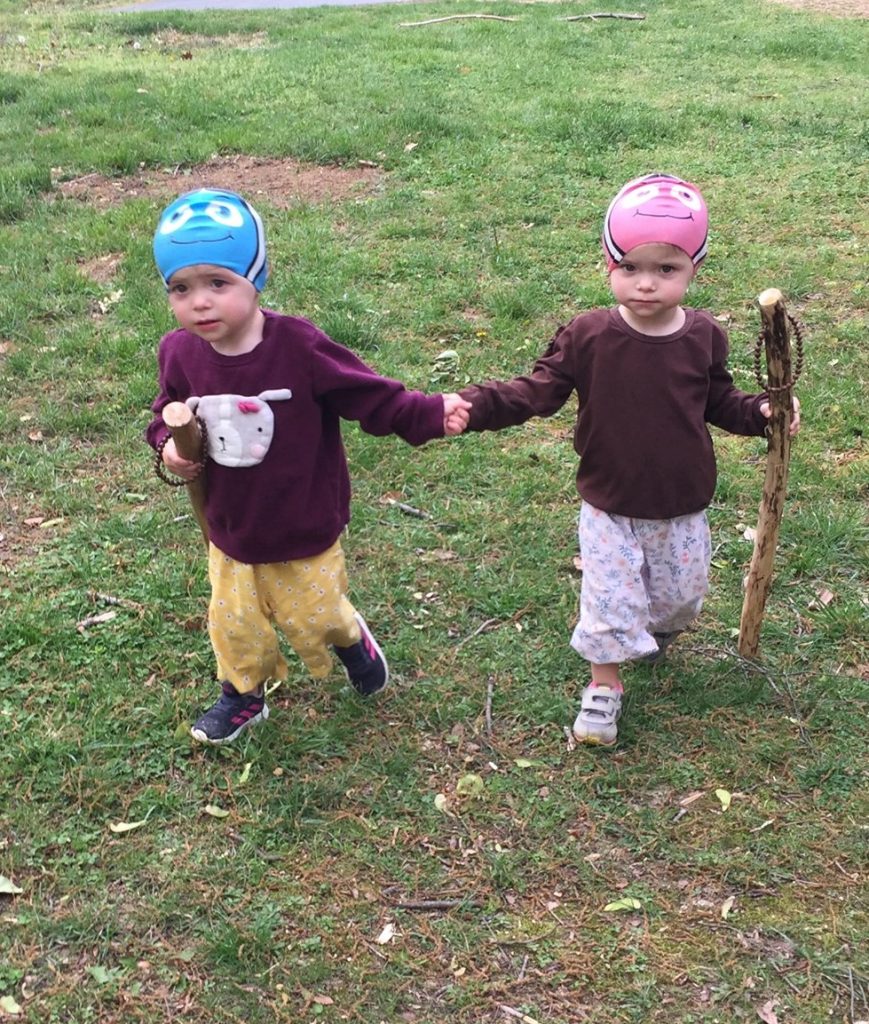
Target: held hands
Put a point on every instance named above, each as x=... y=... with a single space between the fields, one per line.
x=456 y=414
x=175 y=464
x=795 y=415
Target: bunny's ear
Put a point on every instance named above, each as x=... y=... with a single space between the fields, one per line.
x=275 y=396
x=192 y=403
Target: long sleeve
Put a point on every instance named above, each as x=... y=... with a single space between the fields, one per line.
x=727 y=407
x=381 y=405
x=542 y=392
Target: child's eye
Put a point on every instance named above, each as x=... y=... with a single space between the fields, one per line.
x=667 y=269
x=627 y=266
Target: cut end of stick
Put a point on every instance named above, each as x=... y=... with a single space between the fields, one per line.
x=177 y=414
x=769 y=298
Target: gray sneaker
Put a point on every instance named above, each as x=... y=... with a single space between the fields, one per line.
x=598 y=716
x=663 y=641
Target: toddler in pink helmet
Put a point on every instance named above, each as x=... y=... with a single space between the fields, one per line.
x=649 y=375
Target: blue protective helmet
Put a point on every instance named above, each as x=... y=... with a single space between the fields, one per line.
x=212 y=226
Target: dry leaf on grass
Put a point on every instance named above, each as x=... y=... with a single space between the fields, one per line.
x=724 y=797
x=822 y=598
x=626 y=903
x=120 y=827
x=767 y=1012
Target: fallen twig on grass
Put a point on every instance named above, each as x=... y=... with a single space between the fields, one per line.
x=95 y=620
x=455 y=17
x=728 y=653
x=408 y=510
x=500 y=17
x=781 y=689
x=123 y=602
x=491 y=624
x=605 y=14
x=523 y=942
x=519 y=1015
x=482 y=628
x=435 y=904
x=490 y=693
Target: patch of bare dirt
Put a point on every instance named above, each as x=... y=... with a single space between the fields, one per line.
x=836 y=8
x=101 y=268
x=283 y=182
x=170 y=39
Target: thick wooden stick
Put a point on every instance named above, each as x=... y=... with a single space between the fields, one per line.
x=188 y=443
x=778 y=359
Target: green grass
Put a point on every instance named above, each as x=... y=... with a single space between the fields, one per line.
x=480 y=238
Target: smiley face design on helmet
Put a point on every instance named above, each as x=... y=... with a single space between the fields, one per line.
x=218 y=219
x=215 y=227
x=656 y=208
x=661 y=198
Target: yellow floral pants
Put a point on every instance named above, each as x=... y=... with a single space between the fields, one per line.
x=305 y=599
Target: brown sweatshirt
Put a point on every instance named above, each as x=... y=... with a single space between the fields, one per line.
x=643 y=406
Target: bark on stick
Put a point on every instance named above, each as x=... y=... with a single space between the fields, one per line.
x=188 y=442
x=778 y=359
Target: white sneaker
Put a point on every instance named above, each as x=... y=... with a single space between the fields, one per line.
x=598 y=716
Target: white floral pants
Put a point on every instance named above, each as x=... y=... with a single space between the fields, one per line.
x=639 y=576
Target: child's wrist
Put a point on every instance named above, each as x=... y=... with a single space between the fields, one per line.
x=160 y=466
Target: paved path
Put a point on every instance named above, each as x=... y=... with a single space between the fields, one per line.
x=239 y=5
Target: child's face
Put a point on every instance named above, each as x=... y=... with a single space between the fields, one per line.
x=651 y=281
x=217 y=304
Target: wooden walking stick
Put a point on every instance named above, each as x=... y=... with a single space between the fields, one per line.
x=779 y=385
x=189 y=444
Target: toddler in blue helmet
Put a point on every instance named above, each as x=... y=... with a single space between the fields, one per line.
x=271 y=391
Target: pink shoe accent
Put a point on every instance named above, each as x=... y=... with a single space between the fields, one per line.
x=618 y=687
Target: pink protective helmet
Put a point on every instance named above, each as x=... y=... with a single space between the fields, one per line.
x=656 y=208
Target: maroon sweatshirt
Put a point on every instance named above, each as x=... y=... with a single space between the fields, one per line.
x=643 y=406
x=296 y=500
